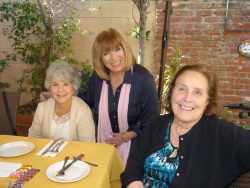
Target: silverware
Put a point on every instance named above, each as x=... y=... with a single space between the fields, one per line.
x=56 y=147
x=65 y=162
x=95 y=165
x=68 y=165
x=50 y=146
x=88 y=162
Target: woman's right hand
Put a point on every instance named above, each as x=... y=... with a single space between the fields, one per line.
x=44 y=96
x=135 y=184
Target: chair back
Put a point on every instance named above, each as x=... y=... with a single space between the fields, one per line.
x=242 y=182
x=9 y=101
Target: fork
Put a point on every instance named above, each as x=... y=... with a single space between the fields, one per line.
x=65 y=162
x=56 y=147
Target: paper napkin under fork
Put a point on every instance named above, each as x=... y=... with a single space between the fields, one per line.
x=6 y=169
x=49 y=153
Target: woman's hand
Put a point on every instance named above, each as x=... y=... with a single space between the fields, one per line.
x=116 y=140
x=44 y=96
x=135 y=184
x=119 y=138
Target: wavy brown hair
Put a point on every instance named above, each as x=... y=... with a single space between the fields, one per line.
x=213 y=107
x=106 y=41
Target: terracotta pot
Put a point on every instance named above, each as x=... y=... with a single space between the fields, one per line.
x=23 y=123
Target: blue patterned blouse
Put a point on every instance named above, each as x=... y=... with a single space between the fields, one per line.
x=159 y=168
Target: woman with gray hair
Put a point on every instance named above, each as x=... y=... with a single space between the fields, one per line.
x=63 y=115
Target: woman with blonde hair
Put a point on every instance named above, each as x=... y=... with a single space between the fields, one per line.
x=121 y=92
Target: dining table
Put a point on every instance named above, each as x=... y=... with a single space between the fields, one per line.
x=105 y=175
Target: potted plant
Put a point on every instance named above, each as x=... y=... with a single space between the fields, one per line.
x=39 y=36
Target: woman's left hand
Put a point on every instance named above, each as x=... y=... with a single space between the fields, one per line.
x=116 y=140
x=119 y=138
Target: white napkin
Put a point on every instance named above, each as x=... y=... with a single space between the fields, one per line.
x=52 y=154
x=6 y=169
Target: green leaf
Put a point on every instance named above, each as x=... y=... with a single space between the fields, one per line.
x=34 y=42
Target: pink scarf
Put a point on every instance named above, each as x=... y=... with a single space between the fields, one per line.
x=104 y=125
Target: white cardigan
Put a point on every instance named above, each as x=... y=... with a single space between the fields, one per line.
x=82 y=127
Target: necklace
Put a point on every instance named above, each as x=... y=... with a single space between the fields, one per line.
x=175 y=139
x=174 y=152
x=61 y=110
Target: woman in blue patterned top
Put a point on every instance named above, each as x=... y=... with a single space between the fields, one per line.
x=190 y=147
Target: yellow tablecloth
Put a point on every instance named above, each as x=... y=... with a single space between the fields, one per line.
x=106 y=175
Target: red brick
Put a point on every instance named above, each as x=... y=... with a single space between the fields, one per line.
x=198 y=26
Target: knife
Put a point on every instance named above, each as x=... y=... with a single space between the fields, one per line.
x=50 y=146
x=68 y=165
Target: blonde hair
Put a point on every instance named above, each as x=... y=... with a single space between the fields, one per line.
x=62 y=70
x=106 y=41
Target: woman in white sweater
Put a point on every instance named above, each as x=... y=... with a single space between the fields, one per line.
x=63 y=115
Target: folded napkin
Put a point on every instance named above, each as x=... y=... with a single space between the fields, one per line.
x=49 y=153
x=6 y=169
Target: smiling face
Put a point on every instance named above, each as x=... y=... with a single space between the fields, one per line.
x=114 y=60
x=189 y=97
x=61 y=91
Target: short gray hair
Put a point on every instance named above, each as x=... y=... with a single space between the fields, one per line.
x=62 y=70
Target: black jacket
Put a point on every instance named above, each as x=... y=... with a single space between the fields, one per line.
x=143 y=100
x=212 y=154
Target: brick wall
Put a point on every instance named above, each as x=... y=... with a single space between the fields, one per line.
x=198 y=27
